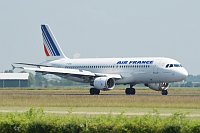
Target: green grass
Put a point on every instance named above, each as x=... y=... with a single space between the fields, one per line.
x=180 y=103
x=185 y=100
x=40 y=122
x=66 y=98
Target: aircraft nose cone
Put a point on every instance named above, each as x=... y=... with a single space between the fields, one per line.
x=183 y=73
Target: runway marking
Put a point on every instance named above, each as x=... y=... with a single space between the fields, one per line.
x=99 y=113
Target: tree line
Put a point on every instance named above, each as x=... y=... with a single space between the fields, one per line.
x=40 y=80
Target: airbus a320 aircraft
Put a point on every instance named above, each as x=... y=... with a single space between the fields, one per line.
x=104 y=73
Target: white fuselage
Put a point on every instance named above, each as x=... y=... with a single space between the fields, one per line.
x=132 y=70
x=104 y=73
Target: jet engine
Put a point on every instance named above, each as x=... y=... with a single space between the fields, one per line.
x=103 y=83
x=158 y=86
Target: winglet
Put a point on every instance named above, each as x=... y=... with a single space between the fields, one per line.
x=13 y=67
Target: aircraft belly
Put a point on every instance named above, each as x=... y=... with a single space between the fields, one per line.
x=73 y=78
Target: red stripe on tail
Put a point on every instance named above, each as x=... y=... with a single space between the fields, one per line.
x=46 y=52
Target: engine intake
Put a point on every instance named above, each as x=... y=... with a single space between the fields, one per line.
x=158 y=86
x=103 y=83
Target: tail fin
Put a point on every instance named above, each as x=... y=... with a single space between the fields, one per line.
x=51 y=46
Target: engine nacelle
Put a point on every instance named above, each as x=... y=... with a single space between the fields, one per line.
x=103 y=83
x=158 y=86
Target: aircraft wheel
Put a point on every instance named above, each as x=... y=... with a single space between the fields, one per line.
x=94 y=91
x=130 y=91
x=164 y=92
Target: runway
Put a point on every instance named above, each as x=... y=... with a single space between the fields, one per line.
x=83 y=94
x=115 y=102
x=99 y=113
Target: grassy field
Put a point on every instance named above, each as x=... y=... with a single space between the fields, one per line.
x=186 y=100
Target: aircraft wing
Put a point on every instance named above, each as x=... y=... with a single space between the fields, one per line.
x=77 y=72
x=115 y=76
x=54 y=70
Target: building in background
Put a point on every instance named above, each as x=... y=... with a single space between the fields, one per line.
x=14 y=80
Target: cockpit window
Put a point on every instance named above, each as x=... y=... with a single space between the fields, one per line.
x=173 y=65
x=177 y=65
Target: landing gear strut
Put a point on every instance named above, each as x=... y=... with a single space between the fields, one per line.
x=164 y=92
x=130 y=91
x=94 y=91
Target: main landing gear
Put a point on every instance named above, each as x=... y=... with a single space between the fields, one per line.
x=130 y=91
x=94 y=91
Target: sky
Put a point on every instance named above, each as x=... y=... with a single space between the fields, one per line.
x=102 y=28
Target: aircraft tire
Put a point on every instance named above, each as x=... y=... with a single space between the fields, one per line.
x=164 y=92
x=130 y=91
x=94 y=91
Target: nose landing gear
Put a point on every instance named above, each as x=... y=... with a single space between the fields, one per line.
x=164 y=92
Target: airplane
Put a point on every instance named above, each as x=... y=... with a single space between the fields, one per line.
x=104 y=73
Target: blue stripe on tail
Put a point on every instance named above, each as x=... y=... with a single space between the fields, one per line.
x=49 y=41
x=47 y=45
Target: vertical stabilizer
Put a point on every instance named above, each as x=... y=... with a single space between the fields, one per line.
x=51 y=46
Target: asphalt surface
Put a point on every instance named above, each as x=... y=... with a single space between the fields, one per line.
x=99 y=113
x=80 y=94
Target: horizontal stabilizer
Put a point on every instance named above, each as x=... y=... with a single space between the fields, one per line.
x=29 y=64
